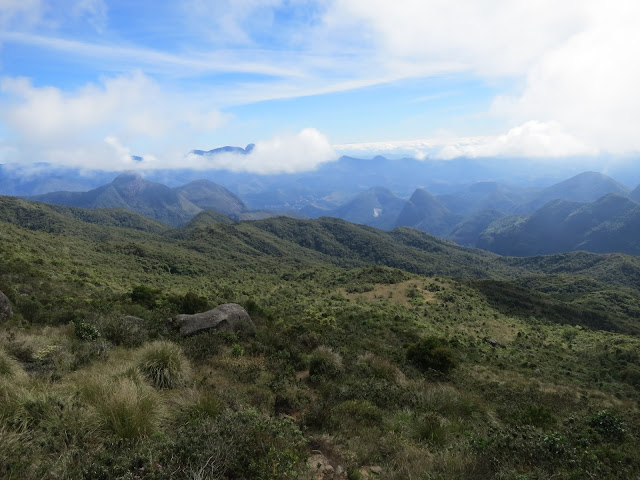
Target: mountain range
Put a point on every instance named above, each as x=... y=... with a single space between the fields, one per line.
x=174 y=206
x=589 y=211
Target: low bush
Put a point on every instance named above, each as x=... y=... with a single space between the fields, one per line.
x=239 y=444
x=125 y=331
x=324 y=363
x=354 y=414
x=431 y=354
x=86 y=331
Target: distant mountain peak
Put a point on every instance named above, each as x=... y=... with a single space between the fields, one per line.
x=226 y=149
x=127 y=177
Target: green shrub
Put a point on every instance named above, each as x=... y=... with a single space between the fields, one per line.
x=609 y=426
x=145 y=296
x=237 y=350
x=324 y=363
x=164 y=364
x=538 y=415
x=357 y=413
x=371 y=365
x=242 y=444
x=431 y=354
x=86 y=331
x=189 y=303
x=199 y=348
x=125 y=331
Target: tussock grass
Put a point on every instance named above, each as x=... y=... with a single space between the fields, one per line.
x=9 y=366
x=164 y=365
x=125 y=408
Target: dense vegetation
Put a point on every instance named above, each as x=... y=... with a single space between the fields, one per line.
x=395 y=354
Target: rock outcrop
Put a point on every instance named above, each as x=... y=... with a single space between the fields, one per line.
x=5 y=307
x=322 y=468
x=228 y=316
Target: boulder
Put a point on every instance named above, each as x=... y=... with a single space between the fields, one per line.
x=322 y=468
x=5 y=307
x=228 y=316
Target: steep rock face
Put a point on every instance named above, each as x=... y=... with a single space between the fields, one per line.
x=228 y=316
x=5 y=307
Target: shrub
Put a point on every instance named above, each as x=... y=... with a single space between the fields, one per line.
x=608 y=426
x=242 y=444
x=86 y=331
x=431 y=354
x=189 y=303
x=538 y=415
x=199 y=348
x=372 y=365
x=145 y=296
x=324 y=363
x=125 y=331
x=357 y=413
x=164 y=365
x=237 y=350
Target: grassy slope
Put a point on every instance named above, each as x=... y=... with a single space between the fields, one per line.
x=555 y=398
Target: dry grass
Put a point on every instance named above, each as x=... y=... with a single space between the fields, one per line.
x=394 y=293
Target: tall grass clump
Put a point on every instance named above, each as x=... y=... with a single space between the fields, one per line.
x=9 y=366
x=125 y=408
x=164 y=365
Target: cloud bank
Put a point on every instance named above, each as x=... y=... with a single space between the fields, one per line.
x=100 y=126
x=564 y=72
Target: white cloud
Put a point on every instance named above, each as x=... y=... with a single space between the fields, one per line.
x=46 y=124
x=95 y=11
x=102 y=125
x=128 y=106
x=283 y=154
x=25 y=12
x=490 y=37
x=575 y=60
x=589 y=84
x=532 y=139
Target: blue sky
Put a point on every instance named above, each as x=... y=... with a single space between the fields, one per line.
x=88 y=83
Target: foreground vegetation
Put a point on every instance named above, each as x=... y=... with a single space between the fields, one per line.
x=394 y=354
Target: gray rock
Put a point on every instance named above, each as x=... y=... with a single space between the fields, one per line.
x=5 y=307
x=228 y=316
x=492 y=341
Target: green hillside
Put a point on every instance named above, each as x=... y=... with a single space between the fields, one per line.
x=397 y=355
x=610 y=224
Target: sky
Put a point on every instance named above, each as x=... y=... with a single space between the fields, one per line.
x=91 y=83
